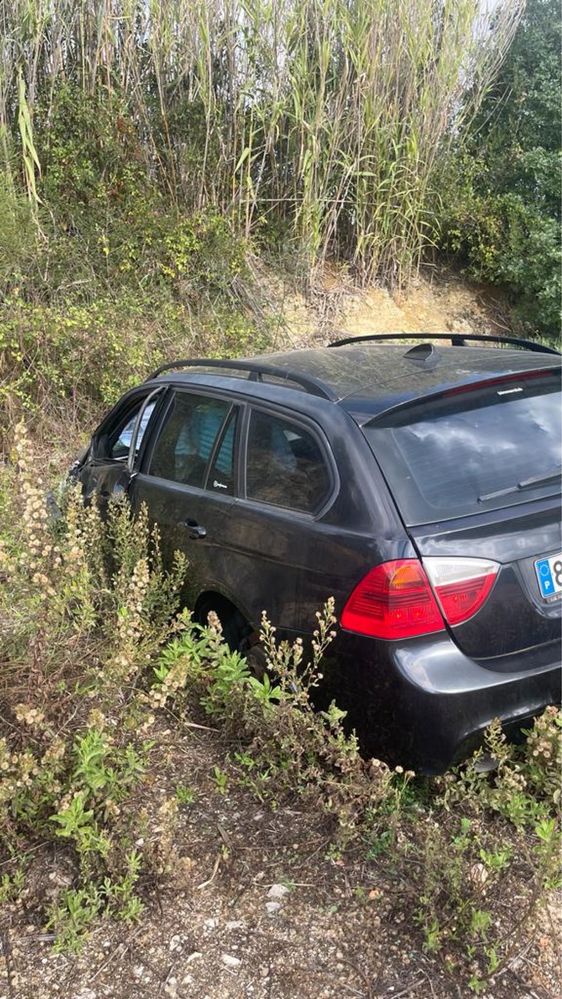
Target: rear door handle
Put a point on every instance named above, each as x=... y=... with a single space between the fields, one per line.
x=195 y=530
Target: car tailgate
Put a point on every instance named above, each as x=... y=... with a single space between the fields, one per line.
x=515 y=616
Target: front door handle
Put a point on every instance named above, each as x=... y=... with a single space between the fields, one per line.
x=195 y=530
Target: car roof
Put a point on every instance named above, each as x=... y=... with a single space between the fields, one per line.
x=369 y=378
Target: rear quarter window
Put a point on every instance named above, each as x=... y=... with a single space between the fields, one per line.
x=285 y=465
x=478 y=450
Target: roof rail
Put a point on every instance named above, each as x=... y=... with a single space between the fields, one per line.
x=256 y=371
x=457 y=340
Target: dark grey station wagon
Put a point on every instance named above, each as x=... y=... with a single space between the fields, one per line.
x=419 y=485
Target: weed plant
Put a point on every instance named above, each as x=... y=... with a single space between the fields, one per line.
x=95 y=649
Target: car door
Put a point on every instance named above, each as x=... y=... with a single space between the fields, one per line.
x=187 y=480
x=116 y=446
x=288 y=480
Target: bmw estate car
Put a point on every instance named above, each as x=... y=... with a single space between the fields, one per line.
x=419 y=485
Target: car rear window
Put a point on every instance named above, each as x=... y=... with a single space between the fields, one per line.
x=471 y=451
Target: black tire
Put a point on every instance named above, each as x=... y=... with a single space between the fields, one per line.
x=238 y=634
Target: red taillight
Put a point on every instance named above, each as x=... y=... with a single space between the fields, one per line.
x=461 y=585
x=394 y=600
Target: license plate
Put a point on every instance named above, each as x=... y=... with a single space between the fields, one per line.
x=549 y=575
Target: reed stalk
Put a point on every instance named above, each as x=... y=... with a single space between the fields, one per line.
x=324 y=118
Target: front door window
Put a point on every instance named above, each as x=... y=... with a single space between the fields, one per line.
x=120 y=438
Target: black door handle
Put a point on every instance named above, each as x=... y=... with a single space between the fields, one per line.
x=195 y=530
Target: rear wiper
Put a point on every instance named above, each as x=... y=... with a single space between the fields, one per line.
x=536 y=480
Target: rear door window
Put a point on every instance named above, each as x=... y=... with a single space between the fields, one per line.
x=478 y=450
x=285 y=465
x=184 y=448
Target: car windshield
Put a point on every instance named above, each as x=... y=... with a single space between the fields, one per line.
x=466 y=452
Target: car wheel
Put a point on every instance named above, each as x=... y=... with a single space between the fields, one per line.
x=238 y=634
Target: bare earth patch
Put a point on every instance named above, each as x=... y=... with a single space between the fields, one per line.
x=432 y=304
x=261 y=913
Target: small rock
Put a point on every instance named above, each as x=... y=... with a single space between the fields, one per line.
x=478 y=874
x=60 y=878
x=272 y=907
x=229 y=961
x=277 y=891
x=235 y=924
x=193 y=956
x=175 y=942
x=211 y=924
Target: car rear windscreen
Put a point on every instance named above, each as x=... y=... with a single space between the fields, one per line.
x=472 y=450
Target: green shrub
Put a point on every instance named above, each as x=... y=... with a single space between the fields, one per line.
x=66 y=364
x=505 y=239
x=93 y=655
x=84 y=605
x=500 y=194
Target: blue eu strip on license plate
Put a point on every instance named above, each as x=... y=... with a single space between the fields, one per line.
x=549 y=575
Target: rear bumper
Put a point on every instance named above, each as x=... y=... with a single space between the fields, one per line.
x=430 y=704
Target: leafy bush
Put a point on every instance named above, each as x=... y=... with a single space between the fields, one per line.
x=288 y=746
x=501 y=210
x=83 y=607
x=505 y=239
x=64 y=365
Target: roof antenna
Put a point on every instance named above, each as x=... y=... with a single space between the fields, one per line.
x=424 y=354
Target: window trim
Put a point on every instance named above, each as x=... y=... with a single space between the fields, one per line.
x=107 y=427
x=133 y=457
x=311 y=427
x=234 y=409
x=196 y=390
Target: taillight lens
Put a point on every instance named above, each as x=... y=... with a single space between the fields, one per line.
x=394 y=600
x=461 y=585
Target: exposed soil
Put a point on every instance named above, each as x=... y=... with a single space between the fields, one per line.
x=254 y=909
x=434 y=303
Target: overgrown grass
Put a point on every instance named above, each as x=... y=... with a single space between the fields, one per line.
x=104 y=285
x=315 y=124
x=93 y=653
x=62 y=366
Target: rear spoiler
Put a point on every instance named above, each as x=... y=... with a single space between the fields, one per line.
x=468 y=386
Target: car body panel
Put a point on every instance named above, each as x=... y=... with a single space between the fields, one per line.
x=426 y=700
x=514 y=617
x=424 y=703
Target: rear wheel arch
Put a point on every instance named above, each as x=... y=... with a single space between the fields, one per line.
x=237 y=631
x=236 y=627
